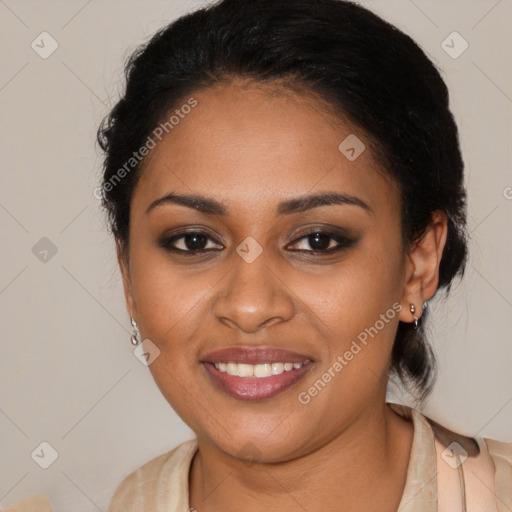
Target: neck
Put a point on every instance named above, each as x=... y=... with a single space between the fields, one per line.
x=363 y=466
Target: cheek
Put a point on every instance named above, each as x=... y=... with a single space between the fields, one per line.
x=353 y=292
x=357 y=306
x=168 y=299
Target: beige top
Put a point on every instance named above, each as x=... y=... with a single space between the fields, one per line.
x=447 y=472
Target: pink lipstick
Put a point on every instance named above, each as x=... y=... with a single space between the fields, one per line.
x=255 y=373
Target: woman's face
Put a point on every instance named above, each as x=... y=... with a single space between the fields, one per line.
x=330 y=300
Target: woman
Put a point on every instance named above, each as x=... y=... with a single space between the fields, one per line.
x=284 y=184
x=300 y=203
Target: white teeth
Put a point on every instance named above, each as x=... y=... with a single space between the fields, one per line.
x=244 y=370
x=277 y=368
x=263 y=370
x=257 y=370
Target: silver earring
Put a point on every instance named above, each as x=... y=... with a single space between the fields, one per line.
x=413 y=310
x=136 y=333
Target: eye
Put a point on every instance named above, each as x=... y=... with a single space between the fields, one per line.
x=198 y=242
x=192 y=242
x=323 y=242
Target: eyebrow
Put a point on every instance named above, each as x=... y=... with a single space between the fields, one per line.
x=211 y=206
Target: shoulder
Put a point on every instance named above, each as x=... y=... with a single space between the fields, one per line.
x=500 y=451
x=162 y=476
x=483 y=466
x=472 y=447
x=36 y=503
x=471 y=473
x=501 y=455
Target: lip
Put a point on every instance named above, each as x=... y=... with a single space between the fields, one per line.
x=253 y=388
x=254 y=355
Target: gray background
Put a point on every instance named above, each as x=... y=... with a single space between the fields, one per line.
x=69 y=376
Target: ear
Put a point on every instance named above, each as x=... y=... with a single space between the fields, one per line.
x=124 y=266
x=422 y=267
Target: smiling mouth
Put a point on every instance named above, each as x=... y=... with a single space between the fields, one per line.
x=259 y=371
x=255 y=373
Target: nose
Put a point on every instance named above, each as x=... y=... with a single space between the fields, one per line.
x=253 y=297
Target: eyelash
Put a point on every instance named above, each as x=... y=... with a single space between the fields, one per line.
x=344 y=242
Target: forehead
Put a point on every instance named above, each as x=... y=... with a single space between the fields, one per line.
x=245 y=143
